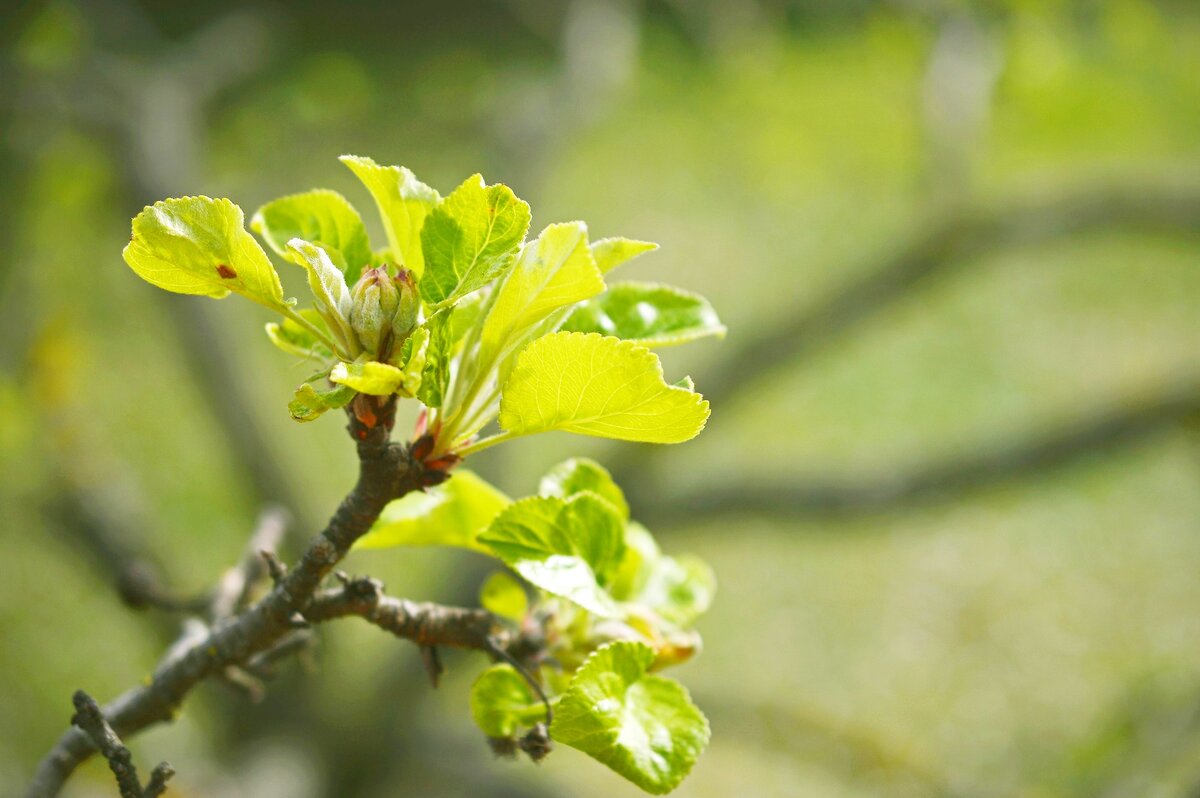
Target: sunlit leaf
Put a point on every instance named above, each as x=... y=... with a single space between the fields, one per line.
x=552 y=272
x=310 y=403
x=328 y=286
x=298 y=340
x=470 y=238
x=647 y=313
x=680 y=589
x=502 y=702
x=436 y=372
x=412 y=361
x=504 y=596
x=612 y=252
x=198 y=245
x=403 y=201
x=369 y=377
x=580 y=474
x=322 y=217
x=643 y=726
x=452 y=514
x=569 y=548
x=596 y=385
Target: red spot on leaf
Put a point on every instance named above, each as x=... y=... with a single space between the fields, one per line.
x=226 y=272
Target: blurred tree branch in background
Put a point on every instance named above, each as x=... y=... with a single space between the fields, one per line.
x=154 y=109
x=251 y=636
x=1097 y=432
x=945 y=249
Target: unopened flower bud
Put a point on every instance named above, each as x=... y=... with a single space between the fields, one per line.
x=409 y=305
x=375 y=300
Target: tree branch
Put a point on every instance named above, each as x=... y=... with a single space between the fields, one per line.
x=386 y=472
x=90 y=720
x=423 y=623
x=1103 y=430
x=943 y=248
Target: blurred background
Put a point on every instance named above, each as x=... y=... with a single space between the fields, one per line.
x=951 y=485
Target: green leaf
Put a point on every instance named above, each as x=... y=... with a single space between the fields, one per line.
x=321 y=216
x=643 y=726
x=679 y=589
x=612 y=252
x=199 y=245
x=310 y=403
x=297 y=340
x=579 y=474
x=504 y=596
x=595 y=385
x=412 y=361
x=368 y=376
x=647 y=313
x=452 y=514
x=470 y=239
x=436 y=374
x=569 y=548
x=552 y=272
x=502 y=702
x=328 y=286
x=404 y=203
x=638 y=565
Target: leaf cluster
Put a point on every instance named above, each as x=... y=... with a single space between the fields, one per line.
x=457 y=310
x=462 y=313
x=613 y=609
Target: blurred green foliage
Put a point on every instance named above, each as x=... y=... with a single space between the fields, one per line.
x=1040 y=637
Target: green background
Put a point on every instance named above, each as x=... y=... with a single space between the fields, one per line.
x=1032 y=628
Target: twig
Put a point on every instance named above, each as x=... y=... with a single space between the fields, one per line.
x=90 y=720
x=386 y=472
x=233 y=590
x=421 y=622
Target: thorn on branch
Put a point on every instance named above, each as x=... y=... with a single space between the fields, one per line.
x=90 y=719
x=433 y=664
x=244 y=683
x=158 y=780
x=237 y=584
x=298 y=643
x=275 y=566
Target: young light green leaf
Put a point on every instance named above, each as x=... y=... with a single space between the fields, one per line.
x=403 y=201
x=637 y=565
x=504 y=596
x=612 y=252
x=502 y=702
x=552 y=272
x=679 y=589
x=438 y=353
x=647 y=313
x=452 y=514
x=199 y=245
x=579 y=474
x=309 y=403
x=412 y=361
x=368 y=376
x=595 y=385
x=328 y=286
x=321 y=216
x=569 y=548
x=470 y=239
x=297 y=340
x=643 y=726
